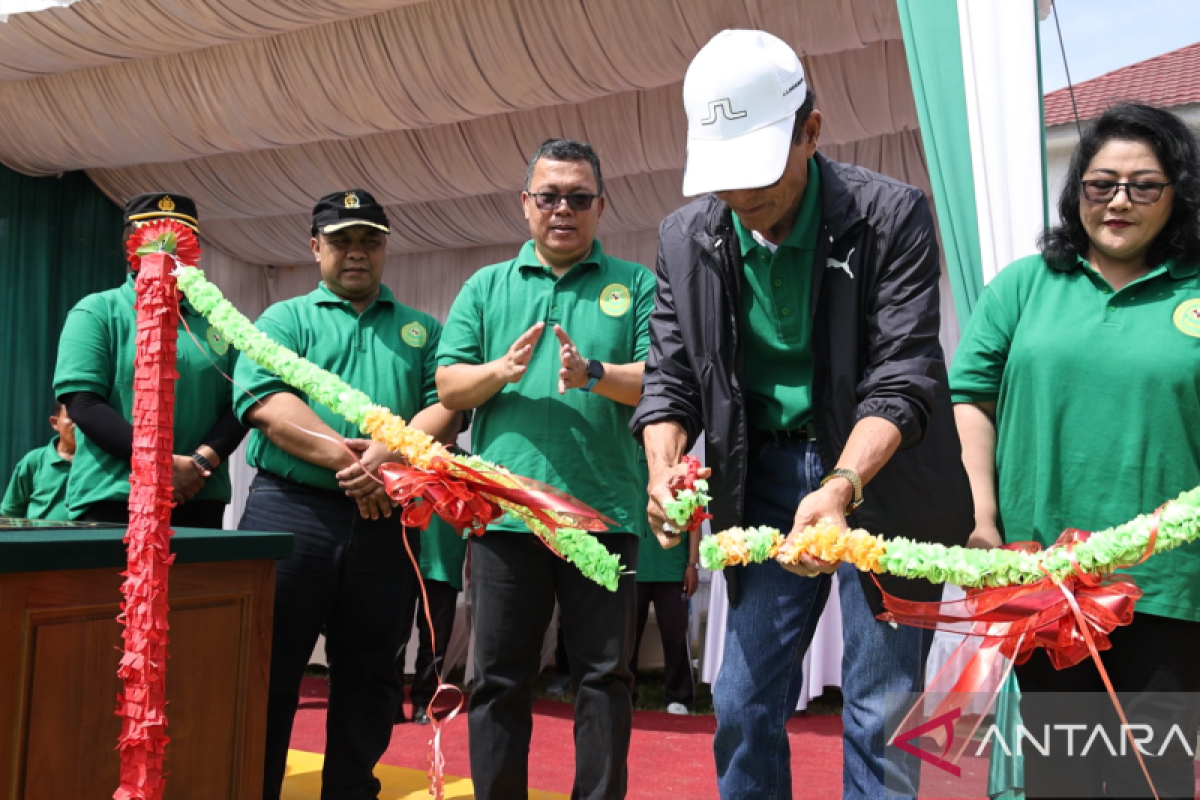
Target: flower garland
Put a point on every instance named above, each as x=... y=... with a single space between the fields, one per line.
x=560 y=530
x=685 y=508
x=1176 y=523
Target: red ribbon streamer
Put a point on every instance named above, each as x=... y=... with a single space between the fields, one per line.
x=469 y=499
x=143 y=668
x=1070 y=619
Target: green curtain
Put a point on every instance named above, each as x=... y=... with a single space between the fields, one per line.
x=60 y=239
x=934 y=51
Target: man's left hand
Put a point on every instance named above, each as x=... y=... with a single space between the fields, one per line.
x=361 y=478
x=691 y=581
x=573 y=371
x=828 y=503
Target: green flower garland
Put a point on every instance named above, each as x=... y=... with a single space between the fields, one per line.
x=684 y=504
x=1178 y=523
x=579 y=547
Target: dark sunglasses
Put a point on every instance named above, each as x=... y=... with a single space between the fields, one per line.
x=1140 y=192
x=576 y=201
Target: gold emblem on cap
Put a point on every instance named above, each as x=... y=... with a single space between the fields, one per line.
x=166 y=204
x=351 y=200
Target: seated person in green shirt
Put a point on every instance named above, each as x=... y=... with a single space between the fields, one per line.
x=549 y=348
x=94 y=380
x=443 y=552
x=1077 y=396
x=38 y=487
x=350 y=572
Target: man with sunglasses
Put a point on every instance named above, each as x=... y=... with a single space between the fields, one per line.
x=796 y=326
x=549 y=349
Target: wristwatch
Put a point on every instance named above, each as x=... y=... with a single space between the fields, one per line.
x=694 y=565
x=595 y=371
x=202 y=461
x=855 y=482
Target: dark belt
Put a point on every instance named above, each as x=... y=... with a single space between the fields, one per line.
x=805 y=433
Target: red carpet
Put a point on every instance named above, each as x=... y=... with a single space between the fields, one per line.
x=670 y=756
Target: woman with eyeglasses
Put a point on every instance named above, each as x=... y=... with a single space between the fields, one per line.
x=1077 y=397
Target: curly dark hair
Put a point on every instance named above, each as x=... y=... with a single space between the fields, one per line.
x=1175 y=146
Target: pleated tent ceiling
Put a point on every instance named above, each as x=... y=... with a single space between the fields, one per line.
x=256 y=107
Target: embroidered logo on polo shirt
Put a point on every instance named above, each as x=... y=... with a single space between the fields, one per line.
x=414 y=334
x=217 y=341
x=615 y=299
x=1187 y=317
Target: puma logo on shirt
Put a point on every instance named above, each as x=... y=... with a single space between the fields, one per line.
x=842 y=265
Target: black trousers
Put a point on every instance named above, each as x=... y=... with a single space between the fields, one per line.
x=354 y=577
x=671 y=613
x=443 y=600
x=515 y=580
x=192 y=514
x=1151 y=655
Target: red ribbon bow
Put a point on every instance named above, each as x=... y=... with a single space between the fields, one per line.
x=1070 y=618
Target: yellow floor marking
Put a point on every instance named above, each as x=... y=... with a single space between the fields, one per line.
x=303 y=781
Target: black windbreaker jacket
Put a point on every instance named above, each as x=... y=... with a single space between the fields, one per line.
x=875 y=351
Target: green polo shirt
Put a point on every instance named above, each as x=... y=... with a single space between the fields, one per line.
x=95 y=354
x=388 y=351
x=654 y=564
x=38 y=487
x=442 y=554
x=775 y=317
x=578 y=442
x=1097 y=403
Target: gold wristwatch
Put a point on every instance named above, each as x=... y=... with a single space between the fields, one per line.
x=855 y=481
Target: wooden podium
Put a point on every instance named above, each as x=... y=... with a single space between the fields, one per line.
x=60 y=643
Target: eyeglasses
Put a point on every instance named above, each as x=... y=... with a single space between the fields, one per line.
x=577 y=201
x=1141 y=192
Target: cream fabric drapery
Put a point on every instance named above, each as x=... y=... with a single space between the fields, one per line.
x=256 y=107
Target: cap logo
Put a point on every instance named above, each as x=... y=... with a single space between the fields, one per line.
x=726 y=108
x=351 y=200
x=166 y=204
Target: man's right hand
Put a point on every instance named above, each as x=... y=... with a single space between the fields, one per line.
x=375 y=505
x=187 y=478
x=663 y=484
x=512 y=365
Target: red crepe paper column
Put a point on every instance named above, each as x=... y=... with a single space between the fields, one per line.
x=143 y=669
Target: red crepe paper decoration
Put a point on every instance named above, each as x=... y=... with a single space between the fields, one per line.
x=143 y=668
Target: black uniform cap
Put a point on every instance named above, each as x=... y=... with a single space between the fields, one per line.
x=343 y=209
x=162 y=205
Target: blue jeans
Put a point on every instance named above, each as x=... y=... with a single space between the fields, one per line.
x=354 y=577
x=767 y=635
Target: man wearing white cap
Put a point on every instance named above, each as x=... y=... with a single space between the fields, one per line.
x=796 y=326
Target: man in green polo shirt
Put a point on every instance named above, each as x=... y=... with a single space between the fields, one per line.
x=549 y=348
x=38 y=487
x=94 y=380
x=350 y=572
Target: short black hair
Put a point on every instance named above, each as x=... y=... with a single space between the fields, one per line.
x=802 y=114
x=57 y=407
x=1173 y=144
x=565 y=150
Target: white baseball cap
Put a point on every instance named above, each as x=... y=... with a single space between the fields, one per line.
x=741 y=94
